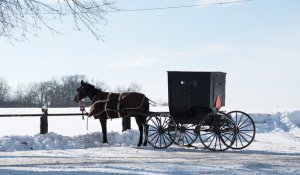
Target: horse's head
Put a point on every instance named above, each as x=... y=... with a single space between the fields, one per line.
x=84 y=90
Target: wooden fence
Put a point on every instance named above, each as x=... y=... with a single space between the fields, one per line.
x=44 y=118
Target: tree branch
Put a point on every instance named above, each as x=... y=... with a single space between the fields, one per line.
x=20 y=18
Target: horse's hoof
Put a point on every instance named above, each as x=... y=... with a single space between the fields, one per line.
x=139 y=145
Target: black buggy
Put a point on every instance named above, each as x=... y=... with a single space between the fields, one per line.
x=195 y=99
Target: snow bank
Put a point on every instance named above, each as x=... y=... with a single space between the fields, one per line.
x=286 y=121
x=52 y=141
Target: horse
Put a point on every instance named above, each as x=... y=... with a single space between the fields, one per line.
x=107 y=105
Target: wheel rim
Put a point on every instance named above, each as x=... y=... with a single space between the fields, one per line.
x=160 y=131
x=245 y=129
x=186 y=134
x=217 y=131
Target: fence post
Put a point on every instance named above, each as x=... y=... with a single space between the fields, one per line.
x=126 y=123
x=44 y=121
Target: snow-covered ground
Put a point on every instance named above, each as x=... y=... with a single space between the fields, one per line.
x=69 y=148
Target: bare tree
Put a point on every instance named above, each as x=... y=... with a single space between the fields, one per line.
x=31 y=95
x=18 y=18
x=100 y=85
x=133 y=87
x=69 y=85
x=20 y=93
x=4 y=90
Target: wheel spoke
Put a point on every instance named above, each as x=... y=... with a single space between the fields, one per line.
x=240 y=140
x=245 y=126
x=240 y=120
x=158 y=121
x=159 y=140
x=152 y=126
x=191 y=133
x=212 y=134
x=212 y=140
x=243 y=122
x=216 y=142
x=165 y=123
x=168 y=139
x=154 y=122
x=152 y=134
x=246 y=134
x=187 y=141
x=163 y=136
x=225 y=137
x=154 y=138
x=244 y=138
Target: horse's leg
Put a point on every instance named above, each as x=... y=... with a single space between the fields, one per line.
x=144 y=119
x=147 y=128
x=139 y=122
x=103 y=122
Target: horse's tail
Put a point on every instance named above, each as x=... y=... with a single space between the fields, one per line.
x=147 y=107
x=153 y=103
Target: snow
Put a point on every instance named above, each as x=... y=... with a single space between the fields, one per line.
x=69 y=148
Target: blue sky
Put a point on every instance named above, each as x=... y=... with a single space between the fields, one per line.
x=257 y=43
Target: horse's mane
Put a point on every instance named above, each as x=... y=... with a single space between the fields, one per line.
x=92 y=87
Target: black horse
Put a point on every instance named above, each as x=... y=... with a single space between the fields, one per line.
x=106 y=105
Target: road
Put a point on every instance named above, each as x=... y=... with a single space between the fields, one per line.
x=131 y=160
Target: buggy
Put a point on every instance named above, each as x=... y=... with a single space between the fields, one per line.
x=195 y=99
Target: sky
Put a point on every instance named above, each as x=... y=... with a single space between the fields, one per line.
x=256 y=43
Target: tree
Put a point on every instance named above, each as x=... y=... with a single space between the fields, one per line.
x=55 y=93
x=20 y=94
x=69 y=87
x=133 y=87
x=4 y=90
x=31 y=96
x=18 y=18
x=100 y=85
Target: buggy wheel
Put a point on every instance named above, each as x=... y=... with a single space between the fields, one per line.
x=245 y=129
x=186 y=134
x=160 y=130
x=217 y=131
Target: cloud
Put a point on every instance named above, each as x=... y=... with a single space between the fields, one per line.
x=132 y=63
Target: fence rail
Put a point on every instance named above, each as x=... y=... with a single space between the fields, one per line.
x=44 y=117
x=39 y=115
x=126 y=124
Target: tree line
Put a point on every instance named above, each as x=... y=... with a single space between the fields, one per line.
x=57 y=92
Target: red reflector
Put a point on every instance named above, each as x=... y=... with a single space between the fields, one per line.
x=218 y=102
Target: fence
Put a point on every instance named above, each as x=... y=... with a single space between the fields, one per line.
x=44 y=118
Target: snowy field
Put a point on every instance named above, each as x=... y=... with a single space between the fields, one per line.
x=69 y=148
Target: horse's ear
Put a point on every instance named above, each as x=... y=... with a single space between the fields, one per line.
x=82 y=82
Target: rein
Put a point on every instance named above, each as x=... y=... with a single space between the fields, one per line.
x=82 y=109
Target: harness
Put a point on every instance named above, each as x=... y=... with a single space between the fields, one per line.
x=118 y=106
x=107 y=109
